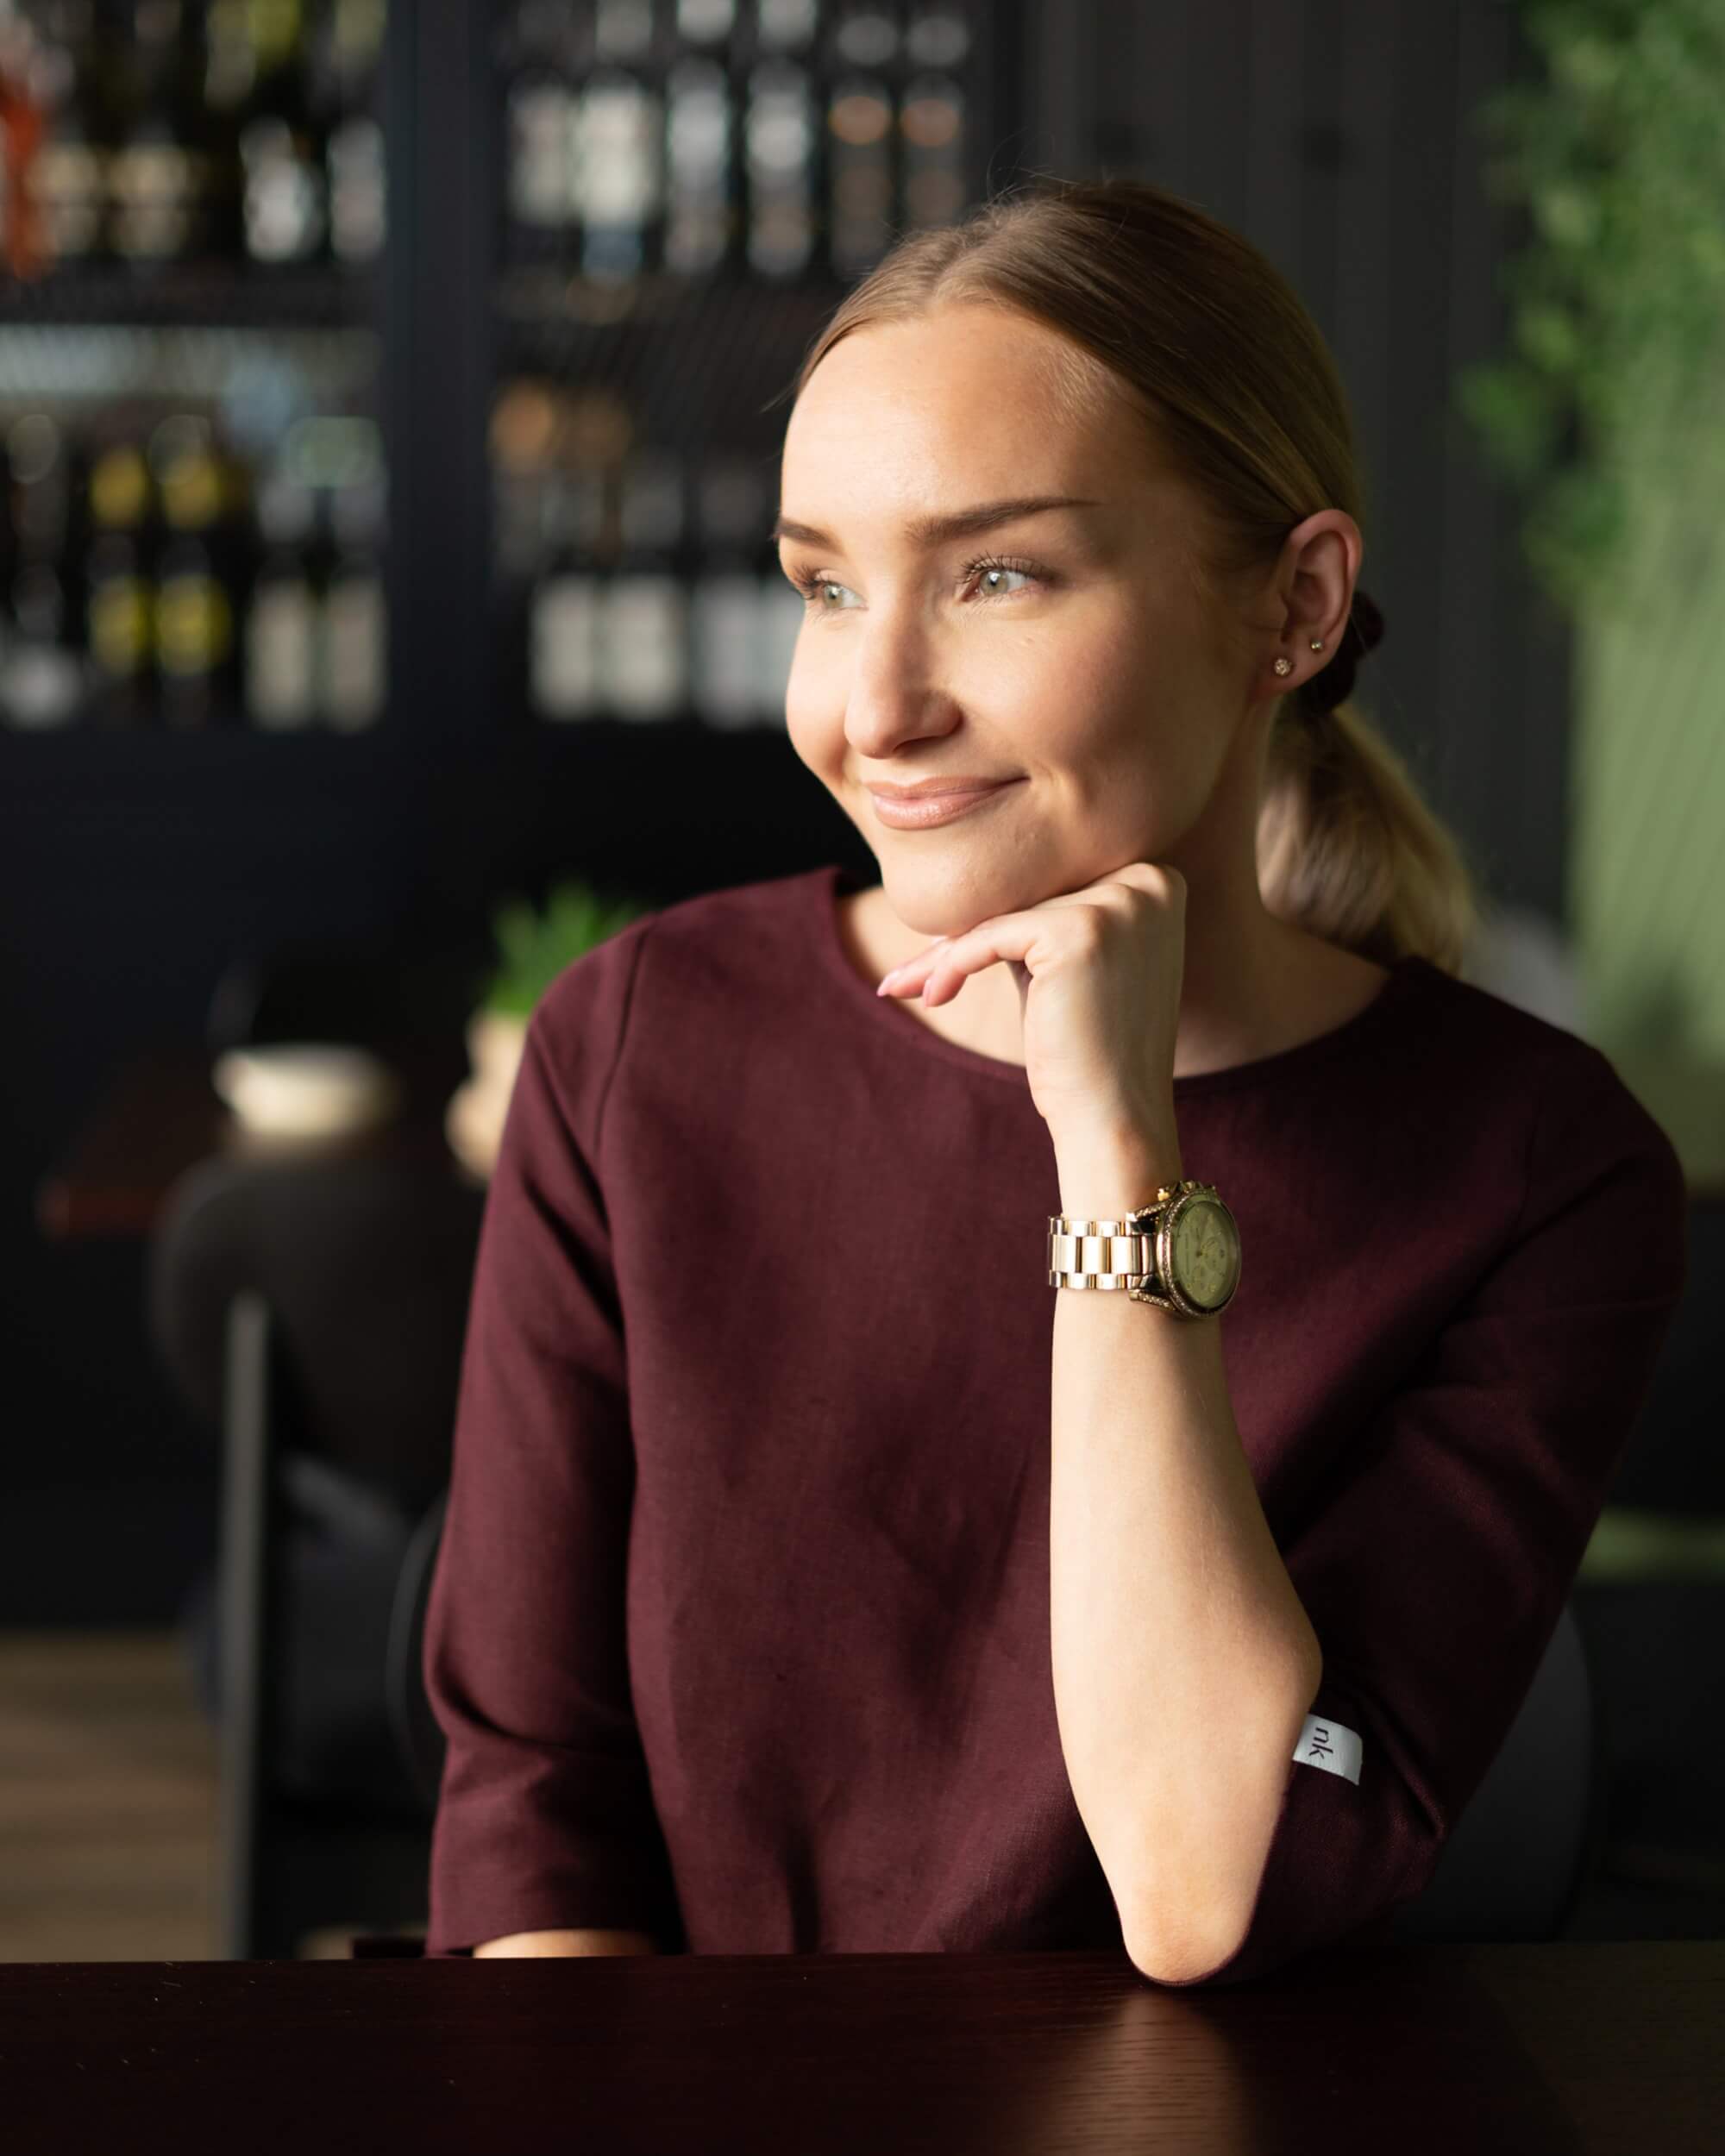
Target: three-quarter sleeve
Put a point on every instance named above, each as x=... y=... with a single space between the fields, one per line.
x=1437 y=1570
x=544 y=1819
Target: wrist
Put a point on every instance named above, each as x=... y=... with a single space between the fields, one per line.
x=1103 y=1175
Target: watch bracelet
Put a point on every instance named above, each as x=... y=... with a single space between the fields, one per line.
x=1117 y=1253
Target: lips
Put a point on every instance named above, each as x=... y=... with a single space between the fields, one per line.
x=930 y=789
x=917 y=812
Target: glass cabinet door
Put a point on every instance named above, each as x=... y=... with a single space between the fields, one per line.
x=193 y=215
x=684 y=190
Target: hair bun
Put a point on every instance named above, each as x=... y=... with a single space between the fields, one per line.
x=1367 y=620
x=1333 y=684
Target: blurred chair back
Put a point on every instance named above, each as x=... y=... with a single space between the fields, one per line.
x=312 y=1309
x=367 y=1264
x=1525 y=1847
x=417 y=1729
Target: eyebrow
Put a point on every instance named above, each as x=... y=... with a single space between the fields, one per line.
x=928 y=530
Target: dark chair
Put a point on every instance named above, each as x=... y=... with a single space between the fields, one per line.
x=417 y=1729
x=312 y=1311
x=1527 y=1843
x=1513 y=1868
x=418 y=1734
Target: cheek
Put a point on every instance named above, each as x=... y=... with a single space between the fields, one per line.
x=814 y=722
x=1102 y=722
x=1091 y=656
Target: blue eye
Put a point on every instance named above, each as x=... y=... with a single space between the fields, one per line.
x=988 y=565
x=992 y=568
x=810 y=585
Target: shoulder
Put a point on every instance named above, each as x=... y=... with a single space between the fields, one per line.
x=735 y=935
x=1583 y=1136
x=1471 y=1026
x=677 y=983
x=736 y=940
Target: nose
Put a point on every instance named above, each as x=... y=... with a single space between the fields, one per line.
x=892 y=696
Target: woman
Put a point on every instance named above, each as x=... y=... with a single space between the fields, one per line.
x=803 y=1588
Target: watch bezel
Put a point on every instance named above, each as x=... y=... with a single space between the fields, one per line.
x=1156 y=1222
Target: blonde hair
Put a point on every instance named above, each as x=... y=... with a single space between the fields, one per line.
x=1157 y=299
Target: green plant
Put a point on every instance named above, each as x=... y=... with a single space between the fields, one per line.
x=536 y=946
x=1618 y=298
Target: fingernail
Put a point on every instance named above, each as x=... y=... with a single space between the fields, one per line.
x=888 y=979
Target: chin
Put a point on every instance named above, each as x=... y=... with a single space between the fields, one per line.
x=933 y=904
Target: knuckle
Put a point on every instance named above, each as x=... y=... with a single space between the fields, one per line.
x=1089 y=928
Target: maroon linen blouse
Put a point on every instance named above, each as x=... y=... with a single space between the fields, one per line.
x=739 y=1629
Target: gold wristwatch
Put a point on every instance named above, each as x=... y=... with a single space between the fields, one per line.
x=1181 y=1252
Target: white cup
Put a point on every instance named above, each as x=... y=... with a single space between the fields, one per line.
x=306 y=1088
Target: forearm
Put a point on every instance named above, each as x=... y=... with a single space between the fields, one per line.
x=1183 y=1662
x=566 y=1942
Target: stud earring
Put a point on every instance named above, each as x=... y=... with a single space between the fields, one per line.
x=1319 y=644
x=1284 y=665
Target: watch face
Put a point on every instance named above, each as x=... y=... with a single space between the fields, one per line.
x=1206 y=1252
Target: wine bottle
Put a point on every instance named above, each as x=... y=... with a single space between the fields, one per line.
x=120 y=593
x=281 y=635
x=786 y=25
x=159 y=178
x=933 y=149
x=355 y=640
x=705 y=26
x=937 y=34
x=643 y=642
x=781 y=157
x=59 y=220
x=620 y=129
x=725 y=610
x=700 y=216
x=42 y=674
x=566 y=602
x=521 y=442
x=42 y=488
x=198 y=682
x=859 y=125
x=280 y=152
x=542 y=199
x=347 y=56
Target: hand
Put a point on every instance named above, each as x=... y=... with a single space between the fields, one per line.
x=1098 y=973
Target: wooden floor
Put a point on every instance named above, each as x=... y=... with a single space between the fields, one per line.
x=107 y=1812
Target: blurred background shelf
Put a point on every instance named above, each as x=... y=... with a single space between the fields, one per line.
x=227 y=296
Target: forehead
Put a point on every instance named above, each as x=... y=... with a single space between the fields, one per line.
x=974 y=398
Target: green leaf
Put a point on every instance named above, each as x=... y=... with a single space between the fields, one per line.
x=535 y=948
x=1612 y=146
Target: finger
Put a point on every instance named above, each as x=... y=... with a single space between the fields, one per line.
x=916 y=976
x=908 y=977
x=945 y=967
x=1005 y=936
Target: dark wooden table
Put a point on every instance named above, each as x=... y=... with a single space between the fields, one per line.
x=160 y=1115
x=1594 y=2047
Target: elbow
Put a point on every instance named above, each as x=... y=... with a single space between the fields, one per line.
x=1190 y=1921
x=1186 y=1961
x=1195 y=1923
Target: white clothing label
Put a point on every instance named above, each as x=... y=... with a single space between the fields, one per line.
x=1327 y=1744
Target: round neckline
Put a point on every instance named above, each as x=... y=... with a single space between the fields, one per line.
x=824 y=886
